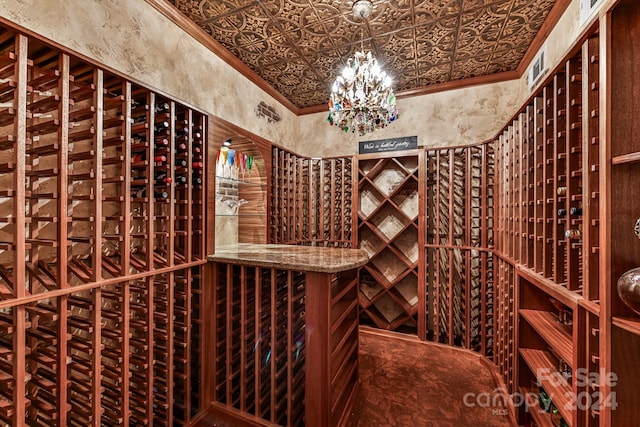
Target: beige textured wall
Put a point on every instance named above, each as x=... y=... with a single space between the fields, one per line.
x=133 y=38
x=457 y=117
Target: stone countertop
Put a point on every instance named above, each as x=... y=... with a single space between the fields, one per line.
x=290 y=257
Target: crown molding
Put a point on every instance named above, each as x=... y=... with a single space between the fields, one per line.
x=181 y=20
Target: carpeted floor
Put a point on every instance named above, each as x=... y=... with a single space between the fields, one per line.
x=410 y=383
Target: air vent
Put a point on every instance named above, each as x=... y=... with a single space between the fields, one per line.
x=537 y=69
x=587 y=8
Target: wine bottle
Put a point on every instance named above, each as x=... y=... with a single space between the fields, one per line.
x=573 y=233
x=163 y=178
x=196 y=180
x=181 y=146
x=160 y=159
x=576 y=211
x=181 y=163
x=181 y=179
x=142 y=193
x=562 y=212
x=162 y=142
x=545 y=400
x=162 y=107
x=139 y=157
x=161 y=126
x=561 y=191
x=138 y=193
x=140 y=129
x=197 y=165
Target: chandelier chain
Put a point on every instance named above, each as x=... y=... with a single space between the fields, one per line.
x=362 y=99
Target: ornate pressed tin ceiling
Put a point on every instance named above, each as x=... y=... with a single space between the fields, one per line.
x=299 y=46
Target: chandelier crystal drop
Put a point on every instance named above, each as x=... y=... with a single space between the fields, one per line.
x=362 y=99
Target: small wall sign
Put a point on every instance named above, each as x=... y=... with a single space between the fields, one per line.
x=391 y=144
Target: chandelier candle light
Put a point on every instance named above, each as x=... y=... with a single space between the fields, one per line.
x=362 y=98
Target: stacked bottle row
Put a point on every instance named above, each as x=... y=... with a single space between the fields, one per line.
x=117 y=351
x=548 y=178
x=389 y=218
x=167 y=155
x=334 y=217
x=311 y=200
x=505 y=321
x=459 y=236
x=111 y=172
x=260 y=346
x=102 y=180
x=289 y=198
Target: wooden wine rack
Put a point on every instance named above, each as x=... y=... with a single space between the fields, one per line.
x=277 y=359
x=548 y=289
x=459 y=239
x=311 y=200
x=102 y=230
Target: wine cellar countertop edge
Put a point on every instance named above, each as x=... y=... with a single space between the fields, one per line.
x=289 y=257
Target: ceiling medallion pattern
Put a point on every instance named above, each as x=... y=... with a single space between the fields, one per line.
x=298 y=46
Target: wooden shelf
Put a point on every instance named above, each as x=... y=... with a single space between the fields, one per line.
x=559 y=391
x=541 y=417
x=629 y=324
x=626 y=158
x=557 y=335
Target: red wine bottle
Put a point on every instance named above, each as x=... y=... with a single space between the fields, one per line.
x=163 y=179
x=162 y=142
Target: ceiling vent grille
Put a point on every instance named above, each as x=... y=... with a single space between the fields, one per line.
x=537 y=69
x=587 y=8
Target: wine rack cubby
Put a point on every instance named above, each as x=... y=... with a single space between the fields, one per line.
x=389 y=224
x=311 y=200
x=240 y=191
x=102 y=234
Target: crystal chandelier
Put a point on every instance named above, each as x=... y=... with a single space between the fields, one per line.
x=362 y=99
